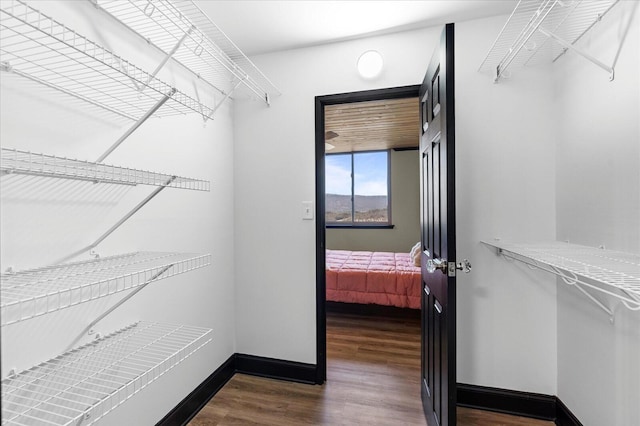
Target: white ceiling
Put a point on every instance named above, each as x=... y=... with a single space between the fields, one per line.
x=267 y=26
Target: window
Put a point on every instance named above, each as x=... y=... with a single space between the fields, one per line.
x=357 y=189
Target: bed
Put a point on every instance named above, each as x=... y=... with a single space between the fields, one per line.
x=366 y=277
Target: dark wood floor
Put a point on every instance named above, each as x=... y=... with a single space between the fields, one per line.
x=373 y=373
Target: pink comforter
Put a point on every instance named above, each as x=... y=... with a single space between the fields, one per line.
x=373 y=277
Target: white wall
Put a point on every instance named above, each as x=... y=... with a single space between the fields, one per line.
x=498 y=154
x=275 y=172
x=44 y=219
x=505 y=174
x=598 y=199
x=405 y=213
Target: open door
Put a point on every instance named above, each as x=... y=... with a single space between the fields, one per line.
x=437 y=215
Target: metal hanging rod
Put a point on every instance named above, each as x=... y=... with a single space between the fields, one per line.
x=82 y=385
x=526 y=38
x=35 y=45
x=35 y=164
x=616 y=274
x=34 y=292
x=185 y=34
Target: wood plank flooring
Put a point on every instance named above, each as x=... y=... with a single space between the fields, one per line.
x=373 y=373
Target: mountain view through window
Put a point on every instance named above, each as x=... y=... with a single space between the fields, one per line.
x=357 y=188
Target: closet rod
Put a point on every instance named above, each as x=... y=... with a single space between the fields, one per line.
x=118 y=224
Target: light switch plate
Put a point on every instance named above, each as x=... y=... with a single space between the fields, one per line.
x=307 y=210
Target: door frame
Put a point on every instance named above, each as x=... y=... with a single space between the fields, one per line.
x=321 y=279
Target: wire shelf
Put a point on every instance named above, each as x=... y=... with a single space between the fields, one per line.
x=201 y=46
x=29 y=163
x=619 y=271
x=85 y=383
x=44 y=50
x=525 y=39
x=30 y=293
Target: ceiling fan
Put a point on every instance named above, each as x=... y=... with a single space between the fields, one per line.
x=327 y=137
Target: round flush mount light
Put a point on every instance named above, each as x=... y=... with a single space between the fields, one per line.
x=370 y=64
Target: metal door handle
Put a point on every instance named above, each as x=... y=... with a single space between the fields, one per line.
x=433 y=264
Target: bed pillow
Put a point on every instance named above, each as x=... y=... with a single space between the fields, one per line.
x=415 y=254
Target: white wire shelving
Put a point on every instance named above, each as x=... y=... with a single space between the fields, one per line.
x=543 y=30
x=38 y=47
x=184 y=32
x=84 y=384
x=614 y=273
x=36 y=164
x=34 y=292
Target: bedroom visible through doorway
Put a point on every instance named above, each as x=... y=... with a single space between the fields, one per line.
x=368 y=208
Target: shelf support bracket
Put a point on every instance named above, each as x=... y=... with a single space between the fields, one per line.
x=88 y=329
x=166 y=58
x=118 y=224
x=573 y=281
x=579 y=51
x=630 y=302
x=137 y=124
x=226 y=96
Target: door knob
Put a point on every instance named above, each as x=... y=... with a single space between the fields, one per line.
x=433 y=264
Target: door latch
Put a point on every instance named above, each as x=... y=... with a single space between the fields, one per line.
x=465 y=266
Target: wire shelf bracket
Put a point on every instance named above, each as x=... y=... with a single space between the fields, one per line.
x=137 y=124
x=120 y=222
x=35 y=292
x=89 y=329
x=189 y=37
x=533 y=23
x=84 y=384
x=581 y=52
x=38 y=47
x=615 y=274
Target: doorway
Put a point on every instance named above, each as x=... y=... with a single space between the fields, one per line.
x=321 y=138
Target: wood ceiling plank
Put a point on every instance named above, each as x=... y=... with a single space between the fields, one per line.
x=373 y=125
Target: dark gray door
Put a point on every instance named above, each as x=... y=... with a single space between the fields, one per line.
x=437 y=171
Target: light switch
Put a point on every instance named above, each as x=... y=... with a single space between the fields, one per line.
x=307 y=210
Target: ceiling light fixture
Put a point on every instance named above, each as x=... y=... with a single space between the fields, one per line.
x=370 y=64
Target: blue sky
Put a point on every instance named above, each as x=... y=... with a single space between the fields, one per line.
x=370 y=173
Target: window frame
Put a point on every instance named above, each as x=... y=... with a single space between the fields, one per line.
x=363 y=225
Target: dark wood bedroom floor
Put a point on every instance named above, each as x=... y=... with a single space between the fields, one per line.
x=373 y=373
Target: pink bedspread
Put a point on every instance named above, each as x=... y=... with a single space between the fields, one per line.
x=381 y=278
